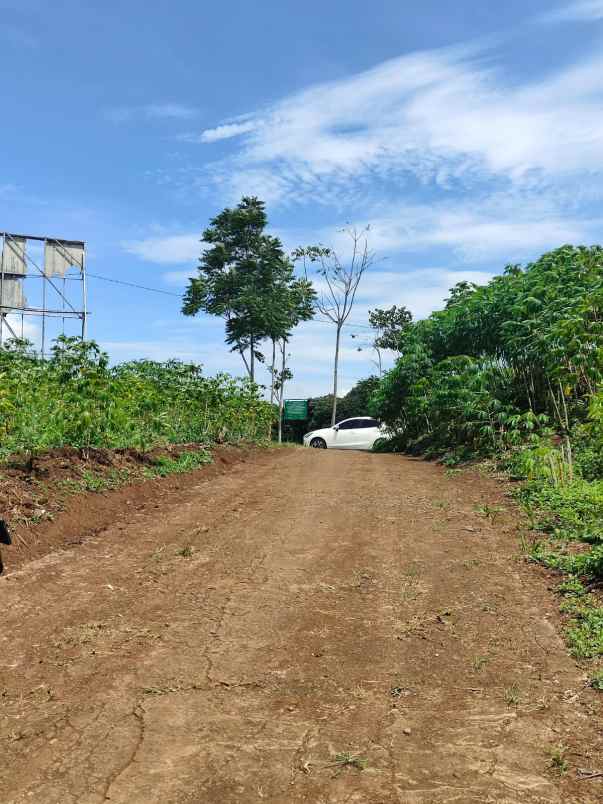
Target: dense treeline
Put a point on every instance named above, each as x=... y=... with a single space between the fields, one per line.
x=516 y=356
x=76 y=399
x=354 y=403
x=514 y=370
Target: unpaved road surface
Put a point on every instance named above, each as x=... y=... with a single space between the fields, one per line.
x=228 y=644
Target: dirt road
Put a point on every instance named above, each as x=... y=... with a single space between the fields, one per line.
x=228 y=645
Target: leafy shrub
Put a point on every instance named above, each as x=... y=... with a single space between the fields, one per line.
x=576 y=506
x=76 y=399
x=505 y=362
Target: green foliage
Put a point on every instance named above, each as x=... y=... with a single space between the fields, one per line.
x=354 y=403
x=245 y=278
x=348 y=760
x=575 y=506
x=558 y=762
x=504 y=361
x=76 y=399
x=389 y=325
x=164 y=465
x=585 y=630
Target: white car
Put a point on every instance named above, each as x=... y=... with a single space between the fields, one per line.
x=358 y=433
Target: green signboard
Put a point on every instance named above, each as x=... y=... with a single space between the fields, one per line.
x=296 y=409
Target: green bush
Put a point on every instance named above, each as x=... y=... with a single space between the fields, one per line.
x=505 y=362
x=76 y=399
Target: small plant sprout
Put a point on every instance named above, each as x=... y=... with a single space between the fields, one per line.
x=348 y=760
x=489 y=511
x=558 y=762
x=512 y=695
x=186 y=551
x=596 y=681
x=479 y=662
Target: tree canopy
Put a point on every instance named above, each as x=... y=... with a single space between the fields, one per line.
x=245 y=277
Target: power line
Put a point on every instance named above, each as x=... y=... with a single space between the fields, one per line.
x=133 y=285
x=179 y=296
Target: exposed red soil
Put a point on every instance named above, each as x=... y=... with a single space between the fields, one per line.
x=228 y=640
x=44 y=514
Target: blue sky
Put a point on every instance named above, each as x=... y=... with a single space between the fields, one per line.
x=468 y=135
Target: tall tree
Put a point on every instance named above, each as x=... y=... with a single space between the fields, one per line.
x=389 y=324
x=280 y=377
x=290 y=301
x=237 y=272
x=341 y=279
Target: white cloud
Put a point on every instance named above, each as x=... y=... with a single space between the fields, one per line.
x=508 y=229
x=515 y=227
x=172 y=249
x=581 y=11
x=227 y=131
x=25 y=328
x=479 y=234
x=422 y=290
x=441 y=116
x=178 y=278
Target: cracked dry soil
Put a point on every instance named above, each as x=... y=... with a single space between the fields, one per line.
x=332 y=603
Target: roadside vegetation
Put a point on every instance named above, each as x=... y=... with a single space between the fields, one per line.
x=76 y=399
x=245 y=278
x=513 y=370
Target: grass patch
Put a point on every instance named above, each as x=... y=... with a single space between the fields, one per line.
x=186 y=462
x=95 y=482
x=568 y=517
x=512 y=695
x=585 y=630
x=347 y=760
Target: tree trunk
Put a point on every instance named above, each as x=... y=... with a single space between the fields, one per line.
x=252 y=360
x=281 y=401
x=335 y=371
x=272 y=370
x=244 y=359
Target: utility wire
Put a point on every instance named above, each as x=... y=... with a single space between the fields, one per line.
x=179 y=296
x=133 y=285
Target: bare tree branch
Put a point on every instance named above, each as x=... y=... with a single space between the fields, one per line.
x=342 y=280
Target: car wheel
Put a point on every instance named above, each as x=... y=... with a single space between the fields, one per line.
x=318 y=443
